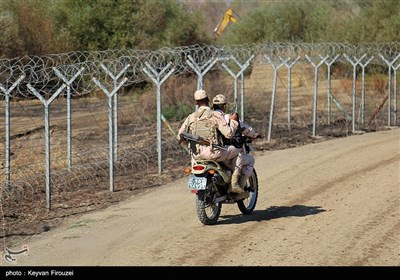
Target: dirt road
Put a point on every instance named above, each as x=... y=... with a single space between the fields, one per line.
x=334 y=203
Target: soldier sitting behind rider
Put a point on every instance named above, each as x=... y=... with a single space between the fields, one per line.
x=207 y=123
x=245 y=162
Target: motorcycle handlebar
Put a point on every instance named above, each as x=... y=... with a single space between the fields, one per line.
x=250 y=139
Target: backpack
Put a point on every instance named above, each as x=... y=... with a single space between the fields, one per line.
x=203 y=125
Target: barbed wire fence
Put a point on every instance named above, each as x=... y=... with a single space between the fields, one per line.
x=74 y=120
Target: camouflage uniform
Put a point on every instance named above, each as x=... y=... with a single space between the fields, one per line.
x=244 y=164
x=208 y=152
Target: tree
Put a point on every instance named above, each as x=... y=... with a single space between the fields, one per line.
x=381 y=21
x=26 y=28
x=319 y=21
x=302 y=20
x=143 y=24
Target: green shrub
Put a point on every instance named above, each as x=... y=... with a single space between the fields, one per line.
x=177 y=112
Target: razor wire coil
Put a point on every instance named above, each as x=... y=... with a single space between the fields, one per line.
x=39 y=71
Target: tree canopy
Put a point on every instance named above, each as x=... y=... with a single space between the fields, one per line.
x=54 y=26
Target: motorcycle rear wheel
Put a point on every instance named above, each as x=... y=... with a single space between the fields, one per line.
x=246 y=206
x=207 y=211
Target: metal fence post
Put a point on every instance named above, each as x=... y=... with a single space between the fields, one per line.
x=316 y=66
x=69 y=110
x=289 y=66
x=389 y=64
x=110 y=124
x=46 y=104
x=201 y=70
x=395 y=93
x=115 y=106
x=354 y=63
x=363 y=65
x=242 y=68
x=329 y=64
x=271 y=113
x=156 y=78
x=7 y=93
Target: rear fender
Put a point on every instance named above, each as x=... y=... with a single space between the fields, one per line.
x=213 y=165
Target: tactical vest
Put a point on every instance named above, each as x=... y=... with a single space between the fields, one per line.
x=203 y=125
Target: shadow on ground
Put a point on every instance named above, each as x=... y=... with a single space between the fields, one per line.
x=273 y=212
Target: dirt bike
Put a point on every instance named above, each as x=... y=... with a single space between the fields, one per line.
x=210 y=181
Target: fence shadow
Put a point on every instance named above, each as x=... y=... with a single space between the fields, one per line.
x=273 y=212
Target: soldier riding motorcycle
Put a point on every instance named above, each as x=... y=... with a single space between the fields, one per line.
x=210 y=181
x=212 y=178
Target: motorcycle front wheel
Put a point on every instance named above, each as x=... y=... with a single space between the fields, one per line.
x=246 y=206
x=207 y=210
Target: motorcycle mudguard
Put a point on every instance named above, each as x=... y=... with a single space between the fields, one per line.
x=210 y=164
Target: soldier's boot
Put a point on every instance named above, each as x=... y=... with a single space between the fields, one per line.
x=242 y=195
x=235 y=188
x=244 y=182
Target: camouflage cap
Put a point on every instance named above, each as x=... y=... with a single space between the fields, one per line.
x=219 y=99
x=200 y=94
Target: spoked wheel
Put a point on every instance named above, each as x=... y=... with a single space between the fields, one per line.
x=246 y=206
x=207 y=210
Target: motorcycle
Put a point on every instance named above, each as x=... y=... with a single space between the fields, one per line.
x=210 y=181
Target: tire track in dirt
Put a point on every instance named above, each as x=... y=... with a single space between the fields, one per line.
x=317 y=160
x=379 y=246
x=366 y=233
x=345 y=177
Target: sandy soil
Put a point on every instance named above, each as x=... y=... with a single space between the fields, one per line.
x=334 y=203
